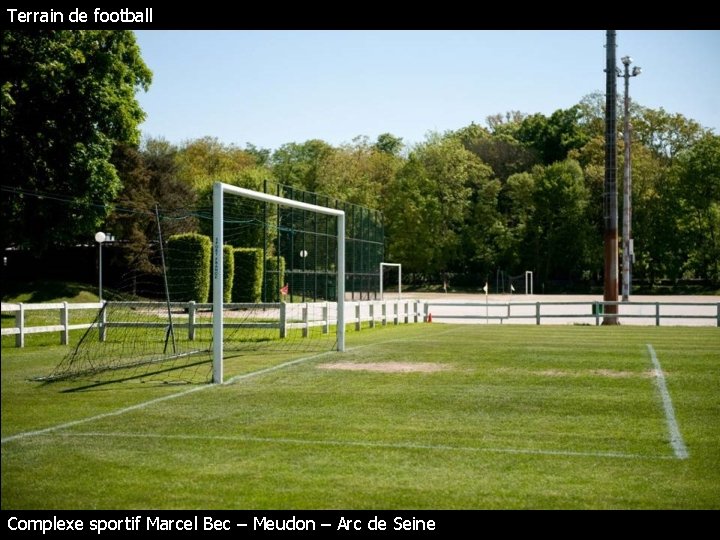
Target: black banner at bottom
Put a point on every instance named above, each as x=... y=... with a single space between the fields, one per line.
x=302 y=523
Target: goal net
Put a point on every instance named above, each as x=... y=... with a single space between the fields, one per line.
x=295 y=228
x=522 y=283
x=221 y=292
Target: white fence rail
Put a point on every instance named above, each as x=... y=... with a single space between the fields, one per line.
x=20 y=330
x=589 y=311
x=376 y=313
x=288 y=316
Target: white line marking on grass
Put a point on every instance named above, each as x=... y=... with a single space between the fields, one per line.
x=676 y=440
x=400 y=340
x=66 y=425
x=362 y=444
x=145 y=404
x=243 y=376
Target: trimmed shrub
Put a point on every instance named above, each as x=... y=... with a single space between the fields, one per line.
x=188 y=267
x=275 y=278
x=247 y=286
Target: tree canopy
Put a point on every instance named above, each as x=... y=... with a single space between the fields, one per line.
x=521 y=192
x=67 y=98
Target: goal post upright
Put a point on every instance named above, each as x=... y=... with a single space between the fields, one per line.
x=340 y=280
x=218 y=197
x=219 y=191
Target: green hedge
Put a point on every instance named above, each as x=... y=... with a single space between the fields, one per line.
x=247 y=286
x=275 y=279
x=188 y=267
x=228 y=274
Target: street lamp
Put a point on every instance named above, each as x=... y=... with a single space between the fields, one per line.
x=628 y=253
x=100 y=237
x=303 y=256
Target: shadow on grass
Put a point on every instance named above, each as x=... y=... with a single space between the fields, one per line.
x=138 y=377
x=44 y=291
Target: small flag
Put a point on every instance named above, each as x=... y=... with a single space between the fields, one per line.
x=485 y=288
x=285 y=290
x=512 y=289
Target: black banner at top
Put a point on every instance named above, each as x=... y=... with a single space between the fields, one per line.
x=136 y=18
x=302 y=16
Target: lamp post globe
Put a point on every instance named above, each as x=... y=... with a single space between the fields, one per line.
x=100 y=238
x=303 y=256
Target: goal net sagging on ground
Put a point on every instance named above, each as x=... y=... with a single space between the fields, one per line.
x=203 y=302
x=141 y=332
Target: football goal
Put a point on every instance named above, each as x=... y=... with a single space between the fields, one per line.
x=390 y=279
x=221 y=288
x=516 y=283
x=221 y=192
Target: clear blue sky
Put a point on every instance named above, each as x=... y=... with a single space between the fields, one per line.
x=274 y=87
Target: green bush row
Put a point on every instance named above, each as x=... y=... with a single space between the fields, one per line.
x=189 y=269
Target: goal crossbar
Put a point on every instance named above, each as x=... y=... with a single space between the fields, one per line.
x=219 y=191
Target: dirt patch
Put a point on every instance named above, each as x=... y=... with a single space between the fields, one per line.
x=613 y=374
x=387 y=367
x=554 y=373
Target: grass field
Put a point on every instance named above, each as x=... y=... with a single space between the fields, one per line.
x=494 y=417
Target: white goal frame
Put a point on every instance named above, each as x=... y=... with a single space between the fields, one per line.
x=399 y=267
x=528 y=281
x=219 y=191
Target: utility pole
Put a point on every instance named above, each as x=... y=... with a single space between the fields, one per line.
x=628 y=257
x=610 y=209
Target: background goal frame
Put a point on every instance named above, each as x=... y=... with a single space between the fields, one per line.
x=399 y=267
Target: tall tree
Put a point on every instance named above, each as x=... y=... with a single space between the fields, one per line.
x=296 y=164
x=560 y=228
x=665 y=133
x=553 y=137
x=698 y=172
x=389 y=144
x=206 y=160
x=440 y=188
x=149 y=178
x=356 y=173
x=505 y=124
x=505 y=155
x=518 y=193
x=67 y=98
